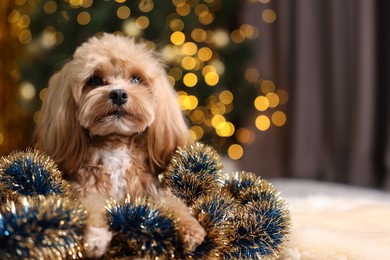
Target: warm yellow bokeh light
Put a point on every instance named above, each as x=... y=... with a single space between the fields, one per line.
x=226 y=97
x=217 y=119
x=237 y=36
x=267 y=86
x=189 y=48
x=75 y=3
x=273 y=99
x=221 y=38
x=206 y=18
x=193 y=102
x=176 y=73
x=261 y=103
x=211 y=78
x=123 y=12
x=142 y=22
x=176 y=25
x=262 y=123
x=186 y=102
x=205 y=54
x=27 y=90
x=196 y=133
x=283 y=96
x=25 y=36
x=130 y=27
x=251 y=75
x=42 y=94
x=250 y=31
x=245 y=136
x=208 y=68
x=183 y=10
x=279 y=118
x=197 y=116
x=198 y=35
x=188 y=63
x=235 y=151
x=178 y=38
x=225 y=129
x=83 y=18
x=87 y=3
x=269 y=16
x=190 y=79
x=178 y=2
x=146 y=6
x=50 y=7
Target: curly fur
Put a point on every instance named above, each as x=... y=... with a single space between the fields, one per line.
x=108 y=150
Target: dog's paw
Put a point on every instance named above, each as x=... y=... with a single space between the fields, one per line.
x=193 y=234
x=97 y=241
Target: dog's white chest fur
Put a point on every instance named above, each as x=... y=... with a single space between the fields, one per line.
x=117 y=161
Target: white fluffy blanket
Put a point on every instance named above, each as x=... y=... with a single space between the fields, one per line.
x=334 y=221
x=338 y=228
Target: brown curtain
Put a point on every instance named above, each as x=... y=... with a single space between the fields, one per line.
x=328 y=56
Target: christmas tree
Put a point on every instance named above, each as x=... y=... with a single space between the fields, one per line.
x=205 y=45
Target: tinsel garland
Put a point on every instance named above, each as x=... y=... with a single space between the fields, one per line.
x=253 y=221
x=143 y=229
x=30 y=173
x=261 y=220
x=41 y=228
x=38 y=218
x=243 y=215
x=213 y=212
x=194 y=170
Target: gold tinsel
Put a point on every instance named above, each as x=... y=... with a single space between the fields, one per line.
x=30 y=173
x=194 y=170
x=214 y=212
x=262 y=220
x=42 y=228
x=143 y=229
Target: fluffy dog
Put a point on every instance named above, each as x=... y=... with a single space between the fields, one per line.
x=111 y=122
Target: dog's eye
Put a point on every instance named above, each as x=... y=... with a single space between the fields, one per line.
x=135 y=80
x=95 y=81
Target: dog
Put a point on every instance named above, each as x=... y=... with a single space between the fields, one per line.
x=111 y=122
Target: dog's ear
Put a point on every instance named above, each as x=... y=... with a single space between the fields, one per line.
x=57 y=132
x=169 y=130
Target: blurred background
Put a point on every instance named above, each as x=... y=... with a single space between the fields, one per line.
x=283 y=88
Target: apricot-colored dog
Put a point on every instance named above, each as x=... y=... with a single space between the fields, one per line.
x=111 y=122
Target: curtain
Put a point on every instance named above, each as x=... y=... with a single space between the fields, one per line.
x=332 y=58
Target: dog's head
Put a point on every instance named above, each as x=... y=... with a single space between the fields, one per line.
x=112 y=85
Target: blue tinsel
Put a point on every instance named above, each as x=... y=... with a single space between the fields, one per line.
x=193 y=171
x=143 y=230
x=214 y=213
x=28 y=178
x=41 y=228
x=261 y=222
x=31 y=173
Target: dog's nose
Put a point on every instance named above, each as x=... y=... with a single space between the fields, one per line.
x=118 y=96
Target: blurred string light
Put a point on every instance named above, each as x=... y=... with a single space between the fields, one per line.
x=193 y=53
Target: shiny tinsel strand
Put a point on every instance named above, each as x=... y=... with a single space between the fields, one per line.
x=143 y=230
x=240 y=184
x=193 y=171
x=30 y=173
x=214 y=213
x=262 y=220
x=41 y=228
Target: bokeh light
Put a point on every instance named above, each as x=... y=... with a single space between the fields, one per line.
x=262 y=123
x=235 y=151
x=269 y=16
x=197 y=45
